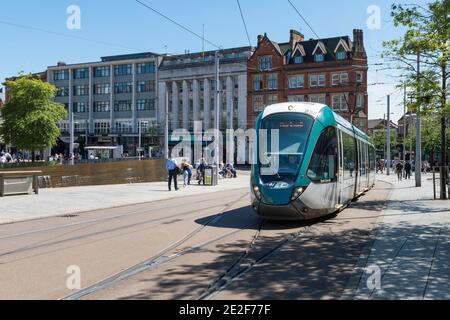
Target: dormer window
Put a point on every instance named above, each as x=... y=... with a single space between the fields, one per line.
x=319 y=52
x=319 y=58
x=341 y=55
x=298 y=59
x=341 y=50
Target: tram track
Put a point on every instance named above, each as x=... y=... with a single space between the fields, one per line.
x=244 y=265
x=162 y=256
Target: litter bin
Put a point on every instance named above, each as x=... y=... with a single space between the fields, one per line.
x=211 y=176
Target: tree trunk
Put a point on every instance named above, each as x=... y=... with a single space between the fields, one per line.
x=33 y=156
x=443 y=134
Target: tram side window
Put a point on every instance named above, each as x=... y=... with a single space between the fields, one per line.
x=372 y=156
x=324 y=162
x=349 y=156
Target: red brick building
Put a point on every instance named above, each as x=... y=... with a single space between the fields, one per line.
x=332 y=71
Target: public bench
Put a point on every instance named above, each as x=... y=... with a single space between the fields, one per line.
x=19 y=182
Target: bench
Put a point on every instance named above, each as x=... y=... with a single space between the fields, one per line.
x=18 y=182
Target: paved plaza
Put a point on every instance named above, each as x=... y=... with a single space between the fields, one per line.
x=411 y=249
x=74 y=200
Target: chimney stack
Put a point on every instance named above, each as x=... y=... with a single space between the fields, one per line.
x=295 y=38
x=260 y=38
x=358 y=42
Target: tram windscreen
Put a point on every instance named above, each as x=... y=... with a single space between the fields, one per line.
x=286 y=159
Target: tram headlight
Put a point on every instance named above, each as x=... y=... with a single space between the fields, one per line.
x=297 y=193
x=257 y=192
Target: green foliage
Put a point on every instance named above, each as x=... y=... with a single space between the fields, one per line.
x=427 y=34
x=30 y=117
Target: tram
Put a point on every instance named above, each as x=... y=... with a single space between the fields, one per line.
x=310 y=162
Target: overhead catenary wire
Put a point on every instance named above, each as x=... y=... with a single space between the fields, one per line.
x=26 y=27
x=245 y=24
x=178 y=24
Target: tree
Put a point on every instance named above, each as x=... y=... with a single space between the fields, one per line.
x=426 y=44
x=30 y=117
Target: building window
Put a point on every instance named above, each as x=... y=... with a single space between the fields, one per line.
x=298 y=60
x=81 y=90
x=297 y=98
x=61 y=75
x=102 y=72
x=143 y=68
x=335 y=79
x=321 y=82
x=257 y=82
x=79 y=107
x=265 y=63
x=319 y=58
x=341 y=55
x=344 y=78
x=360 y=101
x=313 y=81
x=296 y=82
x=123 y=127
x=81 y=73
x=123 y=70
x=273 y=81
x=258 y=103
x=145 y=86
x=272 y=99
x=317 y=99
x=103 y=88
x=123 y=87
x=62 y=92
x=80 y=127
x=339 y=102
x=101 y=106
x=145 y=105
x=359 y=77
x=122 y=105
x=102 y=127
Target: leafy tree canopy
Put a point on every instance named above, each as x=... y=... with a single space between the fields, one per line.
x=30 y=117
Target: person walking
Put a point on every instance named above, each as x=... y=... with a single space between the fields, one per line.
x=185 y=170
x=399 y=169
x=201 y=171
x=172 y=169
x=408 y=170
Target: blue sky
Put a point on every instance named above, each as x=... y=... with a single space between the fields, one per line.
x=124 y=26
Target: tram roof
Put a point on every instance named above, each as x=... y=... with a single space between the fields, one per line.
x=314 y=110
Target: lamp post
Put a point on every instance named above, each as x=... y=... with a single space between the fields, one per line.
x=389 y=135
x=217 y=138
x=72 y=139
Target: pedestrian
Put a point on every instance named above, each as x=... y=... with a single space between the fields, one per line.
x=201 y=171
x=232 y=173
x=173 y=171
x=399 y=169
x=408 y=169
x=185 y=170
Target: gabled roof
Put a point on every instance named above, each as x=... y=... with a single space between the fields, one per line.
x=299 y=48
x=320 y=45
x=342 y=44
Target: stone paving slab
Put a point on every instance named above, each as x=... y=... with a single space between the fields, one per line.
x=74 y=200
x=411 y=249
